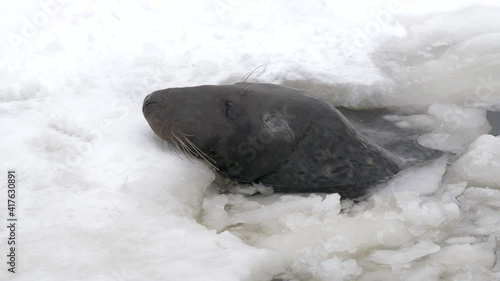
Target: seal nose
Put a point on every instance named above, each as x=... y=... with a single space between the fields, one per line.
x=148 y=100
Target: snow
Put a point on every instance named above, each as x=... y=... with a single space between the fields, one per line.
x=100 y=198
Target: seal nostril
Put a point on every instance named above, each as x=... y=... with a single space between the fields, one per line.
x=148 y=100
x=145 y=106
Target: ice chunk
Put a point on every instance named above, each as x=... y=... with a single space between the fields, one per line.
x=423 y=179
x=480 y=165
x=457 y=127
x=397 y=258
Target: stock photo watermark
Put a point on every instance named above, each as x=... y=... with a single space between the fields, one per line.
x=380 y=19
x=32 y=25
x=12 y=224
x=276 y=126
x=484 y=92
x=82 y=149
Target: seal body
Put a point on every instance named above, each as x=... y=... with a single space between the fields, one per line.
x=270 y=134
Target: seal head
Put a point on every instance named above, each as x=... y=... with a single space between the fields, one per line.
x=270 y=134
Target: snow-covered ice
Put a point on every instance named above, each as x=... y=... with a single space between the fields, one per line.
x=480 y=165
x=99 y=198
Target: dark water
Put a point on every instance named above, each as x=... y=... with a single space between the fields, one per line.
x=494 y=119
x=401 y=142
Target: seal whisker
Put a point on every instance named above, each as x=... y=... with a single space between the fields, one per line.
x=190 y=153
x=171 y=146
x=184 y=134
x=160 y=143
x=249 y=87
x=192 y=148
x=202 y=154
x=181 y=146
x=195 y=150
x=245 y=78
x=176 y=144
x=174 y=149
x=187 y=150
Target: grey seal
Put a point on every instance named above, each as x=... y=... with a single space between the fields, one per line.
x=273 y=135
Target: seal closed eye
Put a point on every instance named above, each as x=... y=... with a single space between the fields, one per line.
x=270 y=134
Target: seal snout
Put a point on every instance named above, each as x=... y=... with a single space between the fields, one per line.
x=146 y=105
x=147 y=97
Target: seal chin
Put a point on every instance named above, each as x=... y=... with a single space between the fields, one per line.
x=161 y=128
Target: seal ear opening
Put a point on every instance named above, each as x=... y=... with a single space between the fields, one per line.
x=277 y=127
x=229 y=110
